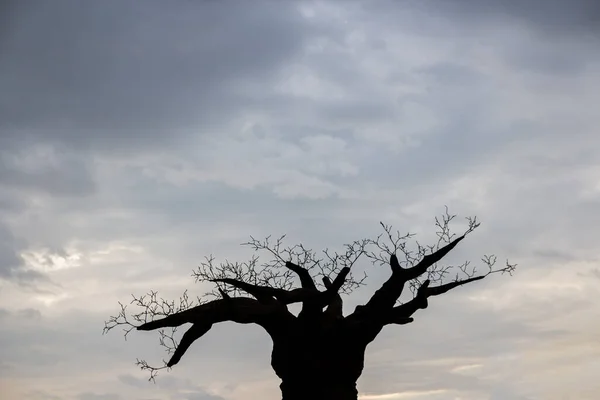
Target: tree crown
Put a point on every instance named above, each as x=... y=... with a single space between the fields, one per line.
x=296 y=274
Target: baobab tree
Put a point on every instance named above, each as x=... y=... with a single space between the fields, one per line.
x=318 y=352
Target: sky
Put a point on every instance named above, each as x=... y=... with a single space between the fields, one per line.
x=135 y=139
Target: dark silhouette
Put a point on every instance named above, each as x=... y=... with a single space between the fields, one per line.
x=319 y=353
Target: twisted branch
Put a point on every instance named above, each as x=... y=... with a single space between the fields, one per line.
x=239 y=309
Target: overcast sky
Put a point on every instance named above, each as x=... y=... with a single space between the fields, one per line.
x=137 y=138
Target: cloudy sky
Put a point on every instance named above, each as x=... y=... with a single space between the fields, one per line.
x=137 y=138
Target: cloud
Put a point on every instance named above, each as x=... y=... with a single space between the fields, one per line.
x=187 y=390
x=576 y=20
x=136 y=140
x=40 y=395
x=12 y=266
x=553 y=17
x=10 y=258
x=94 y=396
x=405 y=395
x=116 y=75
x=202 y=395
x=46 y=169
x=25 y=313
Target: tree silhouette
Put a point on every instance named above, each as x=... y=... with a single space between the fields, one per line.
x=318 y=353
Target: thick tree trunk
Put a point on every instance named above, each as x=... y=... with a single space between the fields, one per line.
x=318 y=390
x=324 y=366
x=319 y=358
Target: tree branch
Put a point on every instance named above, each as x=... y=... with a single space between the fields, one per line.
x=263 y=294
x=441 y=289
x=305 y=279
x=428 y=260
x=309 y=308
x=401 y=313
x=335 y=307
x=391 y=290
x=242 y=310
x=313 y=297
x=190 y=336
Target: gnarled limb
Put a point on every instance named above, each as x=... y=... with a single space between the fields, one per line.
x=264 y=294
x=310 y=304
x=190 y=336
x=368 y=322
x=314 y=304
x=428 y=260
x=441 y=289
x=314 y=297
x=386 y=296
x=404 y=311
x=339 y=280
x=401 y=313
x=242 y=310
x=335 y=307
x=305 y=279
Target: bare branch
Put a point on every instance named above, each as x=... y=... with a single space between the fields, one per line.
x=404 y=311
x=262 y=293
x=242 y=310
x=239 y=309
x=441 y=289
x=195 y=332
x=144 y=366
x=339 y=280
x=428 y=260
x=335 y=307
x=224 y=294
x=151 y=307
x=423 y=261
x=305 y=279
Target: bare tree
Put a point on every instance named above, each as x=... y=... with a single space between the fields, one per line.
x=318 y=353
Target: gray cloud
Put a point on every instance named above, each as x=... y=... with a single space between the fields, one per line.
x=202 y=395
x=135 y=140
x=447 y=351
x=94 y=396
x=24 y=313
x=12 y=266
x=119 y=75
x=9 y=259
x=41 y=395
x=45 y=170
x=552 y=17
x=29 y=313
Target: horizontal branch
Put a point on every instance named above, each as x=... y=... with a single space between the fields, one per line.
x=263 y=293
x=401 y=313
x=441 y=289
x=242 y=310
x=315 y=297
